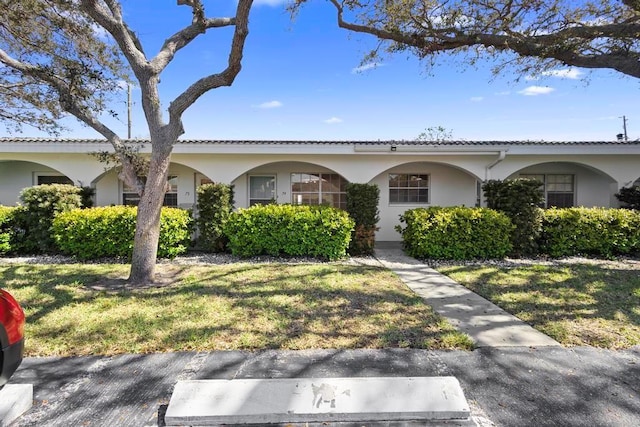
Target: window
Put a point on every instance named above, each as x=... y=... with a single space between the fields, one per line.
x=319 y=189
x=131 y=198
x=559 y=189
x=408 y=188
x=262 y=190
x=52 y=179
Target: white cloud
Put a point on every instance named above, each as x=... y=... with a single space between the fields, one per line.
x=561 y=73
x=333 y=120
x=476 y=98
x=269 y=104
x=565 y=73
x=536 y=90
x=366 y=67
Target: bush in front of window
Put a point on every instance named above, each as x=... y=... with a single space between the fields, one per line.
x=590 y=231
x=107 y=232
x=32 y=220
x=6 y=226
x=215 y=205
x=456 y=233
x=520 y=200
x=362 y=205
x=311 y=231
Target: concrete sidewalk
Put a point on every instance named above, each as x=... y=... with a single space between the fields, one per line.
x=486 y=323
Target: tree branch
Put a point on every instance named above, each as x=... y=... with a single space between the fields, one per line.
x=549 y=46
x=72 y=106
x=112 y=22
x=183 y=37
x=224 y=78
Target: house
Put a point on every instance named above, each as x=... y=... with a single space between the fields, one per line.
x=409 y=174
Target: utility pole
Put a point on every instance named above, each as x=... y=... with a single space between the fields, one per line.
x=129 y=112
x=624 y=127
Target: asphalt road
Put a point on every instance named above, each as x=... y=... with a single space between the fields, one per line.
x=515 y=386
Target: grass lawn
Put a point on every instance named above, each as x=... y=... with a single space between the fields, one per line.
x=82 y=309
x=590 y=303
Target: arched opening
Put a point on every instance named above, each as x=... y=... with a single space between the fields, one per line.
x=566 y=184
x=17 y=175
x=290 y=182
x=421 y=184
x=183 y=182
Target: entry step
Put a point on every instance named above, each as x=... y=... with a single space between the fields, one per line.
x=296 y=400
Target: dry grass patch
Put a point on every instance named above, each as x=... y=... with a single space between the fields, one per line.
x=85 y=309
x=579 y=303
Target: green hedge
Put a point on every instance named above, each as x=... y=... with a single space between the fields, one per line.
x=317 y=231
x=109 y=231
x=590 y=231
x=6 y=221
x=456 y=233
x=32 y=220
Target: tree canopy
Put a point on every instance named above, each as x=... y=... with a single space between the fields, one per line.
x=53 y=63
x=62 y=57
x=542 y=34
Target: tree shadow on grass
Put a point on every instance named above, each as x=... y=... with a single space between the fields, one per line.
x=231 y=307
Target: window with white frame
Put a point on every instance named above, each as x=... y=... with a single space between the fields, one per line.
x=262 y=189
x=309 y=188
x=408 y=188
x=131 y=198
x=558 y=189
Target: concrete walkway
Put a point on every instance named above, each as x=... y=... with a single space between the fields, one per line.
x=486 y=323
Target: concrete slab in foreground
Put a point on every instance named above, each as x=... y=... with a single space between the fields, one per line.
x=291 y=400
x=15 y=400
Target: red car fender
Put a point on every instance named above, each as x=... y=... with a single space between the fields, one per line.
x=11 y=317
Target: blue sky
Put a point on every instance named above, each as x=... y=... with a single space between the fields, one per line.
x=300 y=81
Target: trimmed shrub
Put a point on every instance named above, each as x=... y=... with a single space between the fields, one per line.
x=590 y=231
x=520 y=200
x=86 y=196
x=456 y=233
x=362 y=205
x=215 y=205
x=32 y=220
x=6 y=222
x=629 y=197
x=317 y=231
x=109 y=232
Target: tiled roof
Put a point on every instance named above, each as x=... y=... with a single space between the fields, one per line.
x=7 y=140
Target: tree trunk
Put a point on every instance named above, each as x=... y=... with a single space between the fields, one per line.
x=145 y=244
